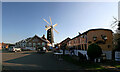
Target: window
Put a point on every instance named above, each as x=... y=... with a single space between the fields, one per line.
x=81 y=36
x=79 y=47
x=94 y=38
x=108 y=46
x=43 y=44
x=30 y=44
x=74 y=41
x=69 y=42
x=38 y=43
x=78 y=40
x=85 y=45
x=34 y=44
x=82 y=47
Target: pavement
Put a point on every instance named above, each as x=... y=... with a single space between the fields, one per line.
x=31 y=60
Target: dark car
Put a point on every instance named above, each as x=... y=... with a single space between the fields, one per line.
x=41 y=50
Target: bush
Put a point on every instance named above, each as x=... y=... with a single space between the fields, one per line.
x=81 y=57
x=94 y=51
x=118 y=46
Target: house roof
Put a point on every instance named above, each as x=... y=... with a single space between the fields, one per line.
x=65 y=41
x=43 y=39
x=30 y=38
x=92 y=30
x=97 y=29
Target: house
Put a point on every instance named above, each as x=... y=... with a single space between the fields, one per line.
x=102 y=37
x=34 y=42
x=64 y=42
x=22 y=43
x=6 y=45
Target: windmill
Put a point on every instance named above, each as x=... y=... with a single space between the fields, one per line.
x=116 y=23
x=50 y=29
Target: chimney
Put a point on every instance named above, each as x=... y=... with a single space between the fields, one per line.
x=79 y=33
x=43 y=36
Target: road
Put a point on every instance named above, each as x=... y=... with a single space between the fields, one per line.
x=31 y=60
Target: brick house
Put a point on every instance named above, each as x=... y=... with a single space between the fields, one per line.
x=102 y=37
x=64 y=42
x=78 y=42
x=34 y=42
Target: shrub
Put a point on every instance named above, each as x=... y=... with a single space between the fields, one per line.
x=94 y=51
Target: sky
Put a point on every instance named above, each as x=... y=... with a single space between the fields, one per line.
x=21 y=20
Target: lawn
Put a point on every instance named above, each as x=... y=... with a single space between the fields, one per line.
x=88 y=65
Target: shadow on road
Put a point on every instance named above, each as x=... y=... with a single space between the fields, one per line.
x=36 y=61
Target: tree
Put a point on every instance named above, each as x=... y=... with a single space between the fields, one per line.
x=94 y=51
x=117 y=48
x=119 y=25
x=118 y=40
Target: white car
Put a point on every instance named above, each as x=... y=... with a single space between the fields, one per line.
x=13 y=49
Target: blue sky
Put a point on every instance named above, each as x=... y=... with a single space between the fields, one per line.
x=21 y=20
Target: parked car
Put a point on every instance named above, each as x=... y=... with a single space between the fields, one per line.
x=30 y=48
x=24 y=49
x=14 y=49
x=41 y=50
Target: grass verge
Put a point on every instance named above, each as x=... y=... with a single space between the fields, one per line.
x=91 y=65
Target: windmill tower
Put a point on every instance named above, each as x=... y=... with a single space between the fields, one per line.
x=50 y=29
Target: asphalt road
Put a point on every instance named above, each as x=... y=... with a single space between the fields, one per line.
x=31 y=60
